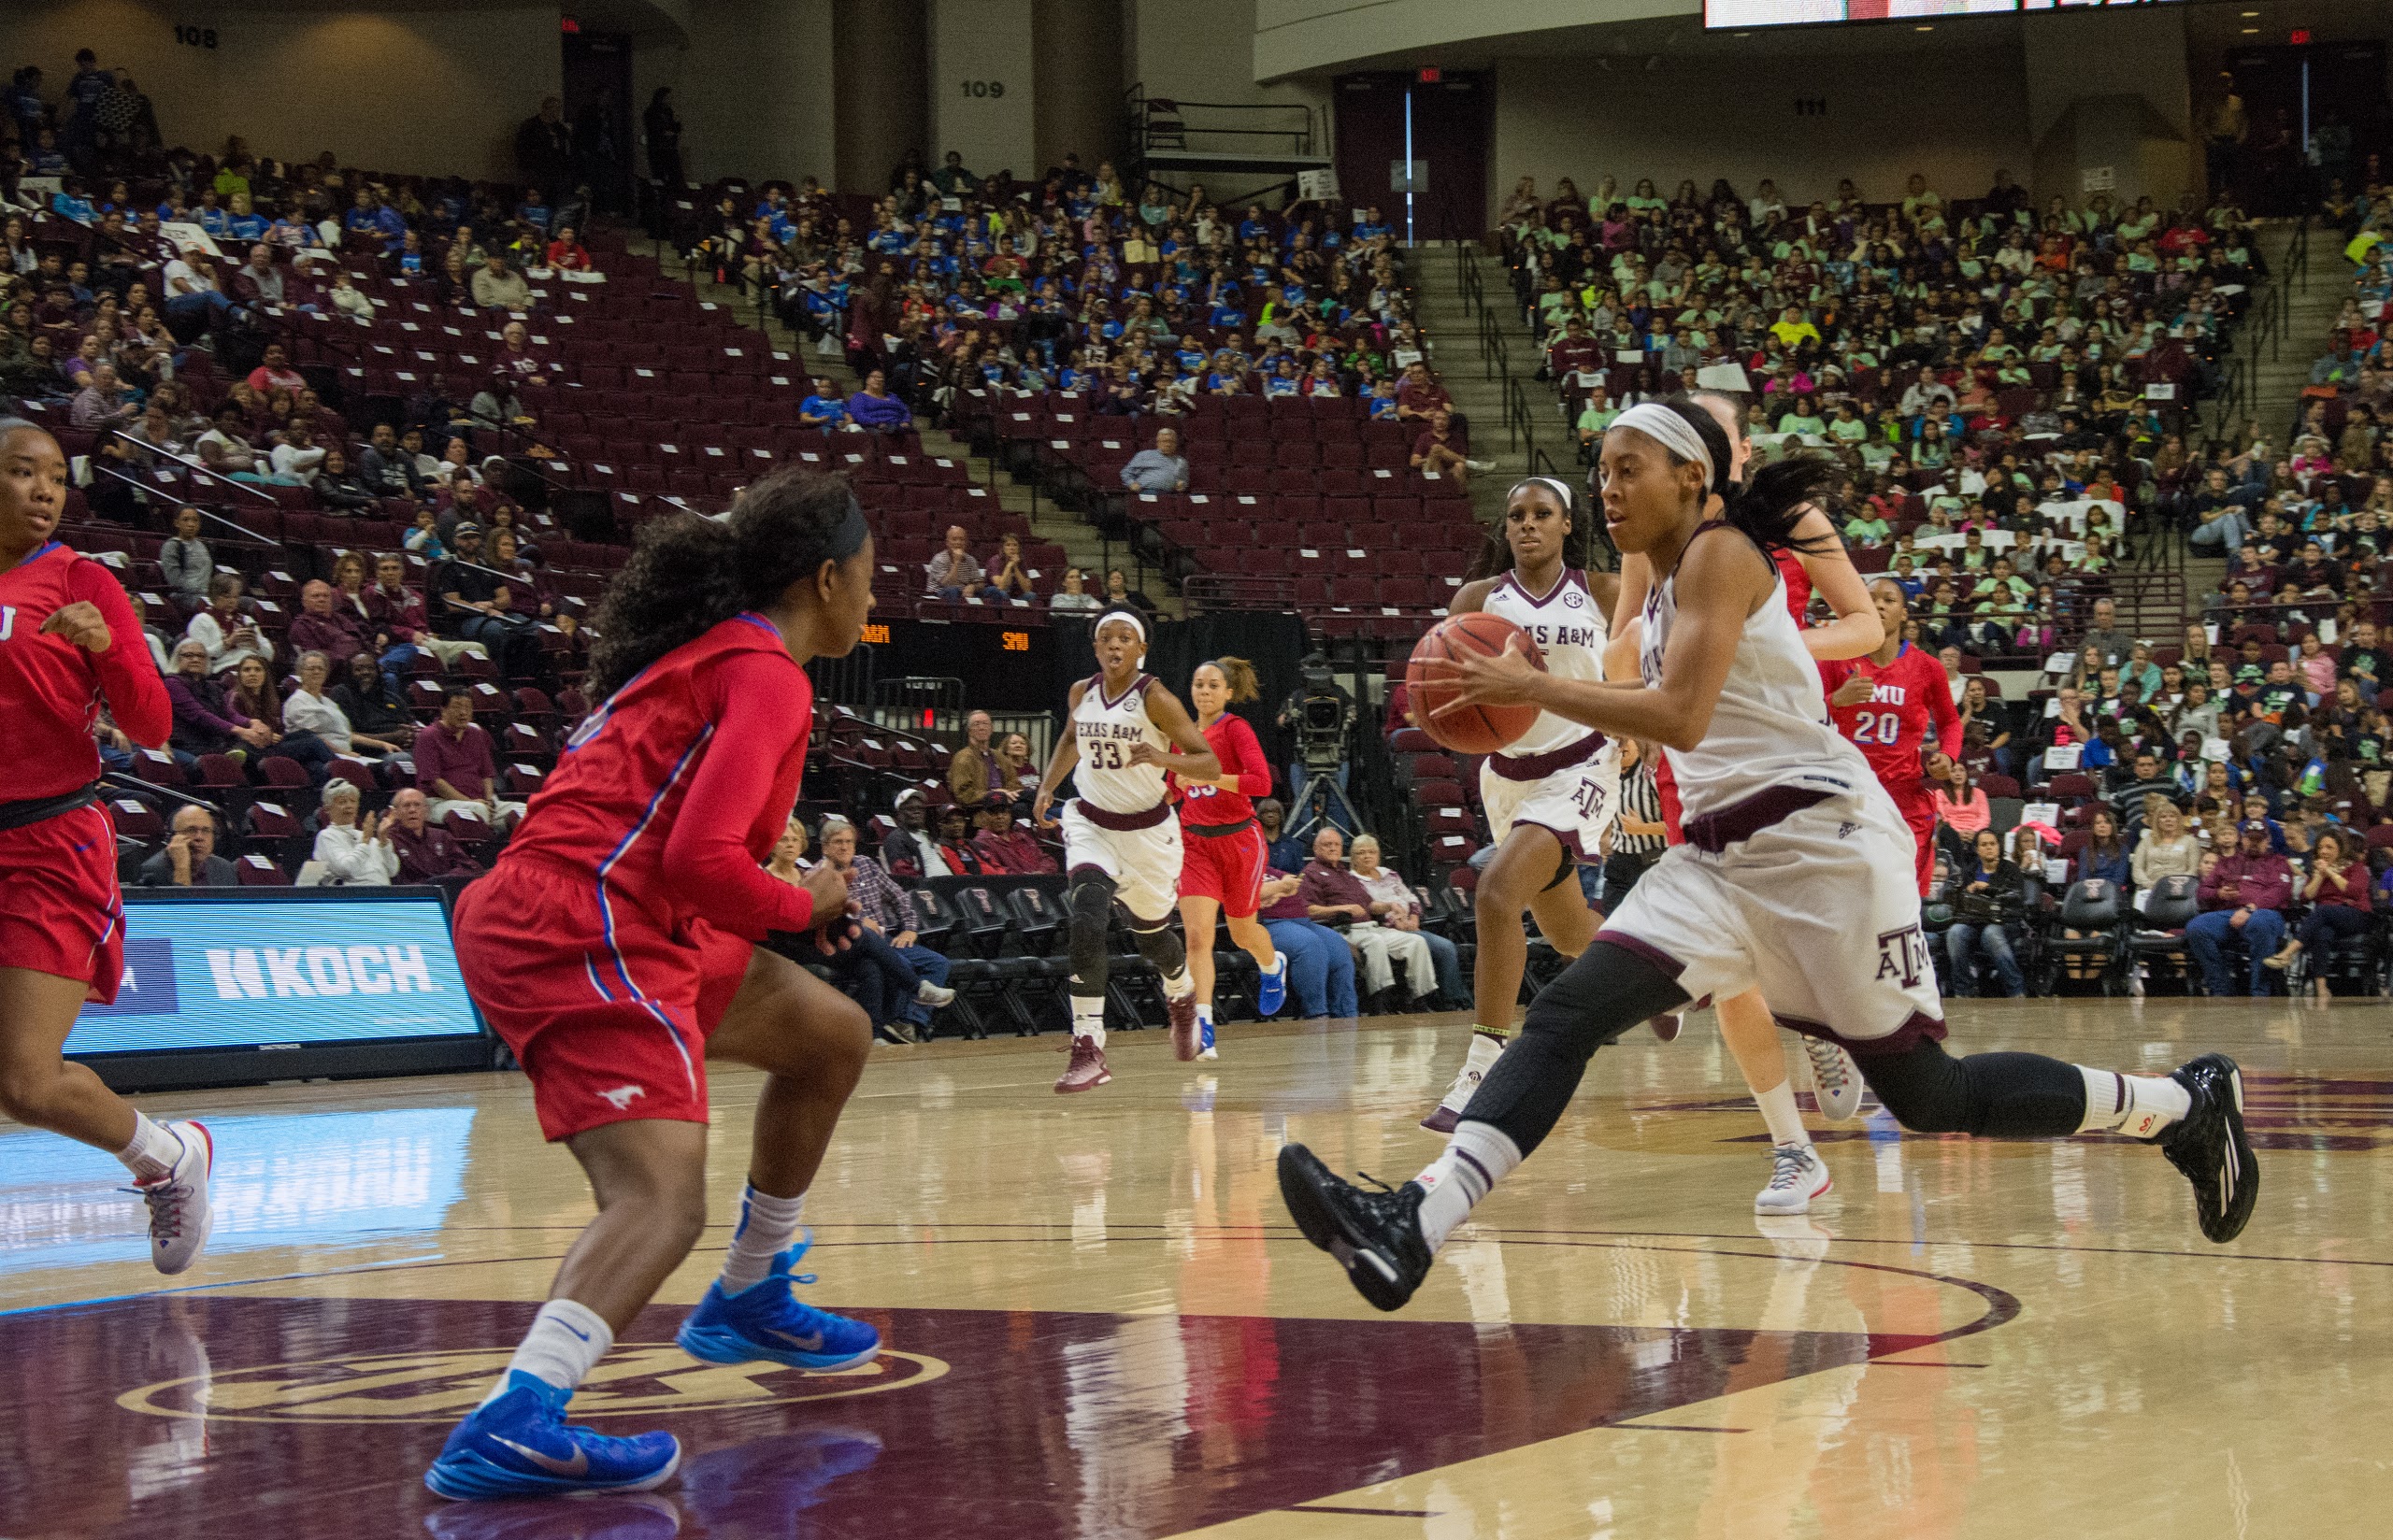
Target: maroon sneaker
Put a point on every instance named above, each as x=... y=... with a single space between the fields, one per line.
x=1667 y=1027
x=1182 y=1013
x=1087 y=1071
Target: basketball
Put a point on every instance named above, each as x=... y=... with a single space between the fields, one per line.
x=1477 y=729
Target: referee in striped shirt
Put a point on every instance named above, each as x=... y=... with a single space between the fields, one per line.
x=1637 y=837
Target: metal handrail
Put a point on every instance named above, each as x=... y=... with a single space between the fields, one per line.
x=243 y=530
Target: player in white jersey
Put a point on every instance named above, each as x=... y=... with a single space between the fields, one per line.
x=1815 y=561
x=1550 y=795
x=1121 y=837
x=1796 y=875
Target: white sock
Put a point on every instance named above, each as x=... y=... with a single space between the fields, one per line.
x=1779 y=1111
x=1279 y=964
x=566 y=1342
x=1484 y=1050
x=1180 y=986
x=1478 y=1157
x=1088 y=1018
x=2137 y=1105
x=153 y=1151
x=1205 y=1012
x=766 y=1226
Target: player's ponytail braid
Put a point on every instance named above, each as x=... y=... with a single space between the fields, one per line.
x=1240 y=676
x=689 y=573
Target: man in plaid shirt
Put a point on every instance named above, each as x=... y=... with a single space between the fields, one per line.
x=889 y=912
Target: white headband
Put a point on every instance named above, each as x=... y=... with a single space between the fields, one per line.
x=1561 y=490
x=1673 y=432
x=1123 y=615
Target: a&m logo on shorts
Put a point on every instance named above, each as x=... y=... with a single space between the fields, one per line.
x=1902 y=956
x=639 y=1378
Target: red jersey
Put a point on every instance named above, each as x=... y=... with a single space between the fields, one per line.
x=1248 y=773
x=1798 y=585
x=51 y=688
x=1891 y=726
x=671 y=795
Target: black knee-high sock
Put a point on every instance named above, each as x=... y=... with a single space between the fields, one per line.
x=1164 y=948
x=1991 y=1095
x=1604 y=992
x=1091 y=901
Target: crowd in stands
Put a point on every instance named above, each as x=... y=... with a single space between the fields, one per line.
x=370 y=613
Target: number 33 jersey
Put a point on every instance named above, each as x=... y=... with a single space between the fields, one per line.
x=1106 y=728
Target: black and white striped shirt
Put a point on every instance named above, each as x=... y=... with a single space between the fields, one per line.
x=1641 y=800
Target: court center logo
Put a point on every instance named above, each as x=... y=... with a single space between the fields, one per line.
x=639 y=1378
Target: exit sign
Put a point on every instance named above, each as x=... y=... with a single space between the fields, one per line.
x=2302 y=35
x=1431 y=73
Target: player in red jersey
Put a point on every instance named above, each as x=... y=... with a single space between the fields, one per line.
x=1798 y=1175
x=613 y=949
x=1222 y=855
x=1886 y=702
x=68 y=643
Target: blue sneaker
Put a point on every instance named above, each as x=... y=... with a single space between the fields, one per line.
x=767 y=1322
x=520 y=1446
x=1273 y=992
x=1205 y=1047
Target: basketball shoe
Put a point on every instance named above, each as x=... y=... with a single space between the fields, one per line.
x=1205 y=1045
x=180 y=1217
x=1481 y=1057
x=520 y=1444
x=767 y=1320
x=2210 y=1147
x=1797 y=1175
x=1271 y=990
x=1087 y=1071
x=1375 y=1235
x=1836 y=1080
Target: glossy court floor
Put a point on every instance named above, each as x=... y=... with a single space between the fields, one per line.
x=1100 y=1323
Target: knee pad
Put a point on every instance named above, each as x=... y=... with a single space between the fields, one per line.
x=1161 y=946
x=1091 y=901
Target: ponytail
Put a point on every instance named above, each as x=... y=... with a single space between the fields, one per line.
x=1774 y=498
x=689 y=574
x=1243 y=685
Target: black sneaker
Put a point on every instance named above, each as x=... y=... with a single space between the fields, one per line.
x=2210 y=1147
x=1374 y=1234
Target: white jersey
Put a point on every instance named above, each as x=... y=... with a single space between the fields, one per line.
x=1571 y=629
x=1771 y=726
x=1106 y=728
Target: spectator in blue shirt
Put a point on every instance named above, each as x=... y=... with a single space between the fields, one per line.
x=1160 y=469
x=826 y=409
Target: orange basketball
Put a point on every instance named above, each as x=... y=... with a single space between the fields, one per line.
x=1473 y=729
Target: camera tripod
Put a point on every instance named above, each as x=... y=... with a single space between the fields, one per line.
x=1323 y=800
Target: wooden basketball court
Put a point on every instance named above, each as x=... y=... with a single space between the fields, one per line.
x=1100 y=1323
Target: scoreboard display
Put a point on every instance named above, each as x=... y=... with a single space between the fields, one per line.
x=1742 y=14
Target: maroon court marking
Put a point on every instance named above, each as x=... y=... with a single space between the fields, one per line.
x=1047 y=1424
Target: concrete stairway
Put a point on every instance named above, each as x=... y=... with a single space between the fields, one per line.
x=2281 y=368
x=1452 y=329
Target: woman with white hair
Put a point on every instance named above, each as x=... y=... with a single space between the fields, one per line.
x=1388 y=887
x=353 y=851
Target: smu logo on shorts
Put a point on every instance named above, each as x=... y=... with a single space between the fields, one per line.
x=147 y=987
x=621 y=1097
x=1902 y=955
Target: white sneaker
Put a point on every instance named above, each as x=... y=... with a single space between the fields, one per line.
x=179 y=1215
x=1479 y=467
x=1797 y=1175
x=1448 y=1112
x=934 y=995
x=1836 y=1080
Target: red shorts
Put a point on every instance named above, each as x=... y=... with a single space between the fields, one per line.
x=1920 y=813
x=608 y=1012
x=1666 y=790
x=1226 y=868
x=62 y=915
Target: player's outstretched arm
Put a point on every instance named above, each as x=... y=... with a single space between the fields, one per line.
x=1855 y=629
x=1060 y=763
x=1720 y=586
x=760 y=715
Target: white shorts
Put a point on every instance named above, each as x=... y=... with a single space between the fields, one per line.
x=1577 y=801
x=1144 y=864
x=1820 y=910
